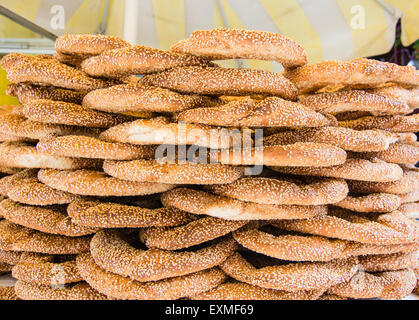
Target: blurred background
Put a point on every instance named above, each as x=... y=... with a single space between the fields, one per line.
x=327 y=29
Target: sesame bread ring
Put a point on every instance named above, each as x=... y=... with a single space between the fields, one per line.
x=385 y=229
x=14 y=237
x=35 y=193
x=223 y=81
x=353 y=169
x=5 y=268
x=276 y=191
x=26 y=92
x=190 y=234
x=283 y=245
x=407 y=137
x=73 y=60
x=389 y=262
x=200 y=202
x=112 y=215
x=411 y=209
x=8 y=170
x=88 y=44
x=137 y=60
x=293 y=276
x=78 y=291
x=20 y=155
x=396 y=153
x=121 y=287
x=408 y=183
x=385 y=285
x=399 y=93
x=374 y=202
x=19 y=126
x=412 y=196
x=96 y=183
x=137 y=97
x=48 y=111
x=10 y=257
x=10 y=181
x=345 y=138
x=269 y=112
x=245 y=291
x=8 y=293
x=160 y=130
x=354 y=100
x=111 y=252
x=93 y=148
x=48 y=72
x=46 y=270
x=360 y=72
x=304 y=154
x=49 y=220
x=174 y=173
x=223 y=43
x=390 y=123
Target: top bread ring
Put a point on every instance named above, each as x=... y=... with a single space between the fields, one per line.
x=279 y=191
x=111 y=252
x=26 y=92
x=96 y=183
x=345 y=138
x=48 y=111
x=390 y=123
x=354 y=100
x=88 y=44
x=223 y=43
x=359 y=72
x=160 y=130
x=352 y=169
x=138 y=97
x=49 y=72
x=269 y=112
x=399 y=93
x=200 y=202
x=173 y=173
x=137 y=60
x=223 y=81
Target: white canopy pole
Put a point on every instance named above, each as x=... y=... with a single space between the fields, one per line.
x=131 y=20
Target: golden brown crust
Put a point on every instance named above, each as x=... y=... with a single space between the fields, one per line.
x=173 y=173
x=137 y=60
x=10 y=181
x=79 y=291
x=385 y=285
x=245 y=291
x=18 y=238
x=26 y=92
x=93 y=148
x=374 y=202
x=113 y=215
x=96 y=183
x=400 y=153
x=10 y=257
x=354 y=100
x=8 y=293
x=223 y=43
x=48 y=220
x=126 y=288
x=389 y=262
x=58 y=112
x=292 y=276
x=20 y=155
x=353 y=169
x=190 y=234
x=49 y=72
x=411 y=209
x=115 y=255
x=137 y=97
x=281 y=191
x=399 y=93
x=357 y=72
x=222 y=81
x=390 y=123
x=269 y=112
x=407 y=197
x=200 y=202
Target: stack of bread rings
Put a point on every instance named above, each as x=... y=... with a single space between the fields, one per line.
x=130 y=172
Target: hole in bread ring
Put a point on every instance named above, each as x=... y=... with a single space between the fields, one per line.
x=200 y=202
x=190 y=234
x=113 y=215
x=292 y=276
x=121 y=287
x=111 y=252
